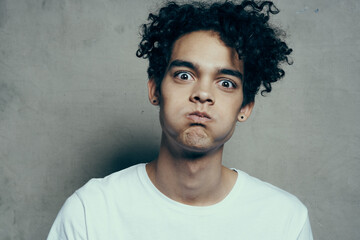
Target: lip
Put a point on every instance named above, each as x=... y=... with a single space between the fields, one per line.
x=199 y=117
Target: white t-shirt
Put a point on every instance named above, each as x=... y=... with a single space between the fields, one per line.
x=126 y=205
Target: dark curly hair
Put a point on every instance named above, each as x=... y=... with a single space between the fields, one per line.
x=243 y=26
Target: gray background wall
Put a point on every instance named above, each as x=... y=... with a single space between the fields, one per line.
x=73 y=106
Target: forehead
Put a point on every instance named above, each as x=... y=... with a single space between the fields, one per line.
x=206 y=49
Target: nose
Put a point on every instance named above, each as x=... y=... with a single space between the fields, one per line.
x=202 y=93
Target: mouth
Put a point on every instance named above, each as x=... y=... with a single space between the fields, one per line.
x=199 y=117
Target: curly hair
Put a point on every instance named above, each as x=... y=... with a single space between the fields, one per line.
x=244 y=27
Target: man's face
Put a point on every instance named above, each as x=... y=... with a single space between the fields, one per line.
x=201 y=93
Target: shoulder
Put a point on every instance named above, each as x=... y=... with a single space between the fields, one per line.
x=256 y=190
x=70 y=221
x=112 y=184
x=95 y=203
x=277 y=210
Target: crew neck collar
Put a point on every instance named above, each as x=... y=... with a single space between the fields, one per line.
x=162 y=199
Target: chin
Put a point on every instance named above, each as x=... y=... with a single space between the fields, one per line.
x=196 y=140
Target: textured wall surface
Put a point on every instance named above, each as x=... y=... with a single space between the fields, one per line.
x=73 y=106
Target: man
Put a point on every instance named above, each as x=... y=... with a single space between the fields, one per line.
x=206 y=63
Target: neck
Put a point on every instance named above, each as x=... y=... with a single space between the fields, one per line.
x=191 y=178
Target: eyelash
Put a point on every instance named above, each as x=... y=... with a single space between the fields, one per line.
x=229 y=81
x=177 y=74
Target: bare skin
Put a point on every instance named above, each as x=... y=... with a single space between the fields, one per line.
x=200 y=182
x=200 y=103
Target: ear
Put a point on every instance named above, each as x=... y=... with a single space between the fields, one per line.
x=245 y=112
x=153 y=92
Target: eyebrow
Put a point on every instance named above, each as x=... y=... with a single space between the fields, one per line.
x=231 y=73
x=195 y=67
x=181 y=63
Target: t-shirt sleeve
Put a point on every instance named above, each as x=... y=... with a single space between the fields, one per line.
x=306 y=233
x=70 y=222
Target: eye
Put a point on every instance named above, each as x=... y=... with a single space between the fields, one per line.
x=227 y=84
x=183 y=76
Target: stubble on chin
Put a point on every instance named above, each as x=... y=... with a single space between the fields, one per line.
x=195 y=137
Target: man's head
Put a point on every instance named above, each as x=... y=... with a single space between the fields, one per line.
x=243 y=27
x=201 y=93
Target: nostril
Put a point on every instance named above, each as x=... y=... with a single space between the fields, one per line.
x=197 y=98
